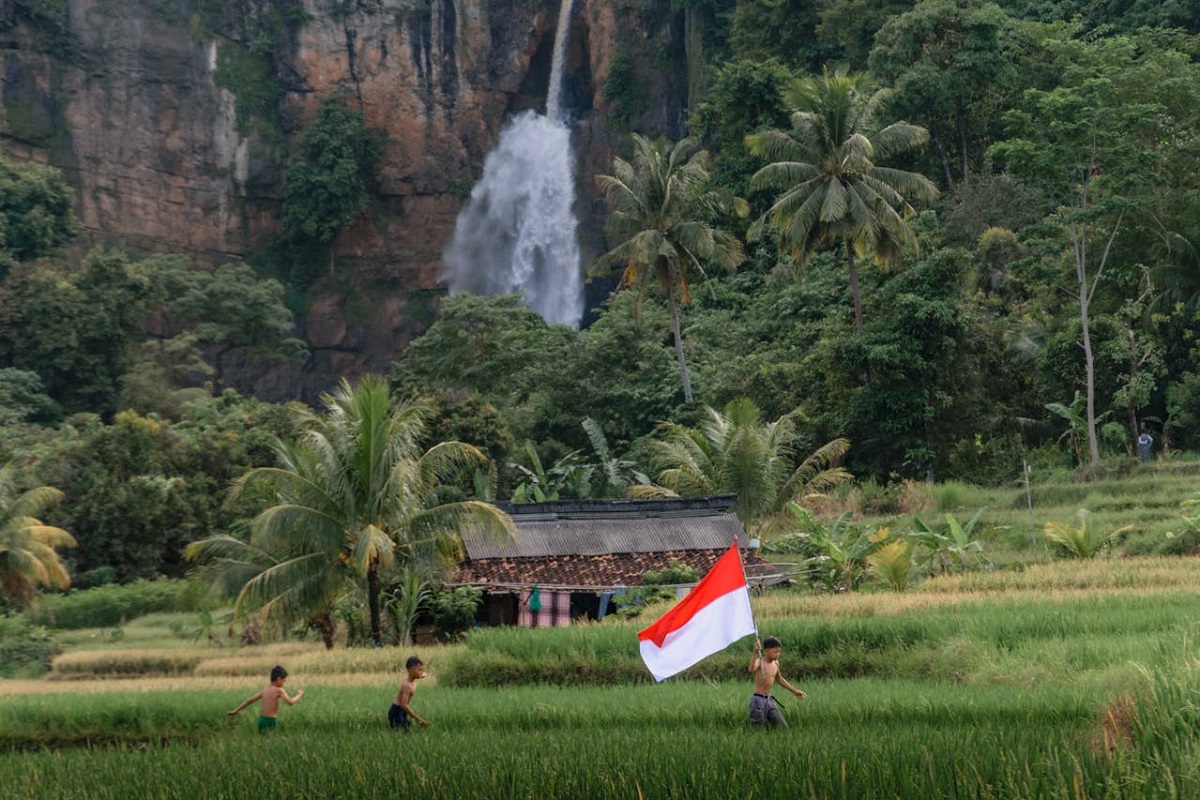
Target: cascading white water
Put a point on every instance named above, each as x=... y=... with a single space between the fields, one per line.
x=517 y=230
x=554 y=109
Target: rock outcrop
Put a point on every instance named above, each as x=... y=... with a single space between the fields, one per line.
x=173 y=121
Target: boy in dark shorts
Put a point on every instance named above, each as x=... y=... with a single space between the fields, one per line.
x=764 y=663
x=400 y=715
x=270 y=697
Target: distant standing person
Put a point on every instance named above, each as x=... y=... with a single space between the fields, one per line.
x=1143 y=444
x=764 y=663
x=270 y=697
x=401 y=715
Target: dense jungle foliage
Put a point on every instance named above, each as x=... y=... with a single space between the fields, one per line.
x=1025 y=292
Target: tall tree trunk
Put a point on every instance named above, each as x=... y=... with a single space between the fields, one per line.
x=962 y=147
x=1078 y=231
x=693 y=46
x=219 y=367
x=1134 y=363
x=941 y=149
x=373 y=603
x=855 y=294
x=683 y=370
x=1087 y=285
x=1089 y=362
x=324 y=625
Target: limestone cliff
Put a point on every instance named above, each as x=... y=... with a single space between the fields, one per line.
x=173 y=118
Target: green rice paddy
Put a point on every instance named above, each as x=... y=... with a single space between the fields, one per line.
x=1077 y=683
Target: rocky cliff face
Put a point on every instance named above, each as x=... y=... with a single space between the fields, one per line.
x=173 y=120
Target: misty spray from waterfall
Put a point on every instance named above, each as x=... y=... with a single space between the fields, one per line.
x=517 y=230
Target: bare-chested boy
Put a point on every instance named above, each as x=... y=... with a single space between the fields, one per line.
x=764 y=663
x=270 y=697
x=400 y=715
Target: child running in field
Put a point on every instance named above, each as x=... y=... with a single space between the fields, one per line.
x=400 y=715
x=764 y=663
x=270 y=697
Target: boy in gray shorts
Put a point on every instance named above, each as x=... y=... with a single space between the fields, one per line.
x=764 y=663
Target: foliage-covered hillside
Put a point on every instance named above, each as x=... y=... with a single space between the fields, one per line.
x=960 y=235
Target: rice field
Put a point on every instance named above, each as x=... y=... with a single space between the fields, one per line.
x=849 y=739
x=1067 y=680
x=1147 y=497
x=862 y=738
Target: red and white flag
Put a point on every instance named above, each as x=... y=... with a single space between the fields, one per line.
x=711 y=617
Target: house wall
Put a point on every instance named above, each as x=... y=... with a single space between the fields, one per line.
x=554 y=613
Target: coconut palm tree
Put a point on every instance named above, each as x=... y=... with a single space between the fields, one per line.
x=1176 y=277
x=28 y=547
x=828 y=165
x=354 y=495
x=1082 y=537
x=661 y=209
x=735 y=452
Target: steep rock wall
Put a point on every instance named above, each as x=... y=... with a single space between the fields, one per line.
x=172 y=118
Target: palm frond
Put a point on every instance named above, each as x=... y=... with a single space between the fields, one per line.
x=49 y=535
x=33 y=502
x=446 y=525
x=446 y=461
x=650 y=492
x=897 y=138
x=291 y=590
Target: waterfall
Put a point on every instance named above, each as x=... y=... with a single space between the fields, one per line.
x=554 y=99
x=517 y=230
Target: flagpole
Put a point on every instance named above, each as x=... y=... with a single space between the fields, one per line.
x=753 y=622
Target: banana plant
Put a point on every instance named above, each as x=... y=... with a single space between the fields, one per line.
x=569 y=476
x=843 y=551
x=616 y=473
x=956 y=543
x=206 y=627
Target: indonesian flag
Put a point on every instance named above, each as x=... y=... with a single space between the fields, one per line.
x=711 y=617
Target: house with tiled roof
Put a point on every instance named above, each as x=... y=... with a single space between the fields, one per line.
x=571 y=556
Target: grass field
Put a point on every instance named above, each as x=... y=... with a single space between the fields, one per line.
x=1063 y=680
x=862 y=738
x=1147 y=497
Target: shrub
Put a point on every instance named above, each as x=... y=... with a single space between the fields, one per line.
x=657 y=586
x=454 y=611
x=1187 y=541
x=106 y=606
x=25 y=650
x=875 y=498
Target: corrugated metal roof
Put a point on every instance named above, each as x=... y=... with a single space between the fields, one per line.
x=594 y=528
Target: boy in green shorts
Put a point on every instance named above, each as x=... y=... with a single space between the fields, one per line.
x=270 y=697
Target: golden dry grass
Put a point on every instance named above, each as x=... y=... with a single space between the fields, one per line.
x=316 y=660
x=1100 y=574
x=15 y=688
x=308 y=659
x=1115 y=727
x=1059 y=580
